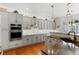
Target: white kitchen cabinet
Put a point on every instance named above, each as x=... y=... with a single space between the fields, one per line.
x=31 y=40
x=42 y=38
x=39 y=38
x=28 y=22
x=15 y=18
x=4 y=39
x=7 y=18
x=4 y=22
x=12 y=18
x=47 y=42
x=15 y=44
x=37 y=23
x=49 y=25
x=40 y=24
x=19 y=18
x=36 y=39
x=25 y=22
x=45 y=25
x=27 y=40
x=24 y=40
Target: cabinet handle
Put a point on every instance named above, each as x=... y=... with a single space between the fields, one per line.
x=36 y=37
x=27 y=39
x=16 y=21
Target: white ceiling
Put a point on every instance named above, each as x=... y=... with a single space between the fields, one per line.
x=40 y=10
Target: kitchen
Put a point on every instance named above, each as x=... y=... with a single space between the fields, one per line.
x=25 y=29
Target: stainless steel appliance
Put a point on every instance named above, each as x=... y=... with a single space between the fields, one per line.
x=15 y=32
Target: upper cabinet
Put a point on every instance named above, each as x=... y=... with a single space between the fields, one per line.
x=15 y=18
x=19 y=18
x=4 y=20
x=35 y=23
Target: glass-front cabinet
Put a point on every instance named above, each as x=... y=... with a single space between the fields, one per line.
x=71 y=23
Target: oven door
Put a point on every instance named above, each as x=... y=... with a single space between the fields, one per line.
x=15 y=36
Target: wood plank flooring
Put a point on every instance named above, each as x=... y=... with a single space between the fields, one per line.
x=26 y=50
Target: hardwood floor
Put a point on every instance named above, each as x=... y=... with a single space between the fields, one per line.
x=26 y=50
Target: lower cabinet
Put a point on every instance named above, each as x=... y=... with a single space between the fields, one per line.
x=15 y=44
x=27 y=40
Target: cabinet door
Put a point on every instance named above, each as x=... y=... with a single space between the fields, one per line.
x=27 y=41
x=4 y=21
x=24 y=41
x=46 y=24
x=37 y=39
x=42 y=38
x=5 y=39
x=39 y=24
x=31 y=40
x=19 y=43
x=19 y=18
x=34 y=39
x=42 y=24
x=12 y=18
x=50 y=25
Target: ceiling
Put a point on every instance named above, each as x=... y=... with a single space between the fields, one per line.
x=40 y=10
